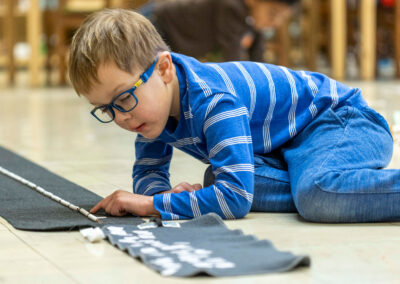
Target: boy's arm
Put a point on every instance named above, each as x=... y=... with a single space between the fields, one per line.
x=151 y=169
x=227 y=133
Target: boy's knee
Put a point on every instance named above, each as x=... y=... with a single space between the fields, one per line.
x=315 y=205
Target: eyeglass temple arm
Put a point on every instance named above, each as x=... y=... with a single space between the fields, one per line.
x=146 y=75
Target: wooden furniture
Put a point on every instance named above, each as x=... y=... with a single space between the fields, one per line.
x=368 y=39
x=33 y=27
x=310 y=26
x=68 y=18
x=34 y=24
x=338 y=38
x=9 y=39
x=397 y=37
x=280 y=43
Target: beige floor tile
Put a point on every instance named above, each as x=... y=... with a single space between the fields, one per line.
x=53 y=128
x=21 y=263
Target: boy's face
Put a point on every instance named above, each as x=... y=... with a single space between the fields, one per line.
x=155 y=97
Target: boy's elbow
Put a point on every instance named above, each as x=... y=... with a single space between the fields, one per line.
x=240 y=210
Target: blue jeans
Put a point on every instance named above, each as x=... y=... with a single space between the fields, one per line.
x=332 y=171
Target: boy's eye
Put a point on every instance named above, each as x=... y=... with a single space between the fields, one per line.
x=104 y=109
x=124 y=97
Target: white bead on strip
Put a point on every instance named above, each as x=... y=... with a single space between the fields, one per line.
x=50 y=195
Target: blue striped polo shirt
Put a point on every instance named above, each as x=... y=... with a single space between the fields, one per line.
x=230 y=112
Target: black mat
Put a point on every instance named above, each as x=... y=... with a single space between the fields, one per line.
x=25 y=209
x=201 y=246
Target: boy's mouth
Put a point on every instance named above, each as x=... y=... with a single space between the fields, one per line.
x=139 y=128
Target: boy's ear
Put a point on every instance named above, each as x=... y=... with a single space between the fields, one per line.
x=165 y=67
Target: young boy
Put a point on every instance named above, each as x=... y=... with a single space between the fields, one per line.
x=277 y=140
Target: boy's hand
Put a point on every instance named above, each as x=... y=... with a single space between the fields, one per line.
x=121 y=202
x=184 y=186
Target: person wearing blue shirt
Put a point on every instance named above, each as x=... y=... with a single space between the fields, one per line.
x=277 y=140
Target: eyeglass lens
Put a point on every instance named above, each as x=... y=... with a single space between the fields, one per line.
x=125 y=102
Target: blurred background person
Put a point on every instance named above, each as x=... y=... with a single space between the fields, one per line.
x=232 y=29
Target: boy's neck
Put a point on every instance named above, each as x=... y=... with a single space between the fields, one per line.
x=175 y=102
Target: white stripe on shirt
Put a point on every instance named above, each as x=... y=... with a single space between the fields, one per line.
x=225 y=77
x=222 y=203
x=252 y=88
x=295 y=97
x=152 y=185
x=314 y=91
x=152 y=162
x=142 y=139
x=188 y=114
x=234 y=168
x=206 y=90
x=229 y=142
x=194 y=204
x=212 y=104
x=167 y=206
x=185 y=141
x=241 y=192
x=224 y=115
x=272 y=102
x=149 y=176
x=334 y=94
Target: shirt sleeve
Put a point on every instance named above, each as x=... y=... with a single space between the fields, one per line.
x=151 y=169
x=226 y=130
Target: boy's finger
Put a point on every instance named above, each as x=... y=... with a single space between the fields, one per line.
x=96 y=207
x=197 y=186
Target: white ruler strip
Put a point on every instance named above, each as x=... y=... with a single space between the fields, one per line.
x=49 y=194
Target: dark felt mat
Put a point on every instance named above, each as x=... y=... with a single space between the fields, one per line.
x=26 y=209
x=202 y=246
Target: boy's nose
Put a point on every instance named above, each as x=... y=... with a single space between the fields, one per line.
x=120 y=116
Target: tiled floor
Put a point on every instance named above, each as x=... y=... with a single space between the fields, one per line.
x=53 y=128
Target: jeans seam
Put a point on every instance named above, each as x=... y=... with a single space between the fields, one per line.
x=365 y=111
x=272 y=178
x=352 y=192
x=341 y=139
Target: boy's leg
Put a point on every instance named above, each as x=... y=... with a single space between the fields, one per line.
x=335 y=168
x=271 y=184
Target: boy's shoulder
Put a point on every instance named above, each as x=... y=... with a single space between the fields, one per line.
x=210 y=78
x=202 y=80
x=213 y=77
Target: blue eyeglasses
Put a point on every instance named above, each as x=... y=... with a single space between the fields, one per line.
x=124 y=102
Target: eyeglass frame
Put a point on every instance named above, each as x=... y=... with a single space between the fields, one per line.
x=142 y=79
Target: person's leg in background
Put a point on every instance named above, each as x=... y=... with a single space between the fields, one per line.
x=335 y=168
x=147 y=10
x=271 y=184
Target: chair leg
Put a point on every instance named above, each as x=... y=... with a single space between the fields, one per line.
x=48 y=30
x=310 y=33
x=9 y=33
x=61 y=57
x=397 y=38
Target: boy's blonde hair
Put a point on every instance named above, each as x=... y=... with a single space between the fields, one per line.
x=118 y=35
